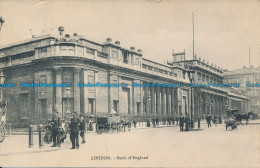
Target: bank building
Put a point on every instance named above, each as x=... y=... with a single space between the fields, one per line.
x=73 y=59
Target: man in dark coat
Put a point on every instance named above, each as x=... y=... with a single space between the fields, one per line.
x=181 y=123
x=208 y=118
x=157 y=121
x=55 y=125
x=187 y=123
x=74 y=130
x=82 y=128
x=153 y=122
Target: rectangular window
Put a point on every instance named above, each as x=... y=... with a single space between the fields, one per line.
x=203 y=77
x=184 y=75
x=199 y=76
x=114 y=55
x=90 y=79
x=137 y=61
x=115 y=82
x=125 y=56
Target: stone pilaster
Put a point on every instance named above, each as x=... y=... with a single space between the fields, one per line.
x=76 y=90
x=58 y=96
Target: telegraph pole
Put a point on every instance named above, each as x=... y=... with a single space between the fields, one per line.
x=193 y=34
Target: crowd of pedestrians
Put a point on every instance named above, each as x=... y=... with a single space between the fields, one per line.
x=57 y=130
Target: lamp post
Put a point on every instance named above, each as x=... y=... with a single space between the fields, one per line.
x=2 y=80
x=67 y=93
x=147 y=110
x=1 y=22
x=191 y=77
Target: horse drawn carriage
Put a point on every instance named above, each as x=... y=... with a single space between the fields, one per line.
x=112 y=123
x=231 y=123
x=108 y=124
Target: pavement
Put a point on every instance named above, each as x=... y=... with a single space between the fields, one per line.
x=164 y=146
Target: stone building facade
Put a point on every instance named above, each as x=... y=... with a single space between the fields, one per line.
x=249 y=79
x=74 y=61
x=212 y=100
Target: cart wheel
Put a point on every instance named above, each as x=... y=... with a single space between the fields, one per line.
x=2 y=135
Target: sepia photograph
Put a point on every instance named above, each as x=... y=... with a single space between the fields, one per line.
x=130 y=83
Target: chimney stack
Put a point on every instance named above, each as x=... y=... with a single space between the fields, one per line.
x=109 y=40
x=132 y=48
x=61 y=30
x=75 y=34
x=139 y=51
x=117 y=42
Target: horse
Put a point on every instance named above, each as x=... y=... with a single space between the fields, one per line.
x=240 y=117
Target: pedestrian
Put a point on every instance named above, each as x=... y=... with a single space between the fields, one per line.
x=181 y=123
x=74 y=130
x=215 y=120
x=187 y=123
x=198 y=122
x=148 y=123
x=153 y=122
x=134 y=122
x=82 y=127
x=55 y=126
x=48 y=137
x=157 y=121
x=208 y=118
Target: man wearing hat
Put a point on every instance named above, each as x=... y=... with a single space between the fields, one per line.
x=55 y=123
x=74 y=130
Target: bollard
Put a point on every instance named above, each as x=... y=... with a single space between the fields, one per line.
x=40 y=129
x=10 y=129
x=30 y=136
x=199 y=123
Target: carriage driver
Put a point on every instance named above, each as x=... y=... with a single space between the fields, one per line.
x=113 y=111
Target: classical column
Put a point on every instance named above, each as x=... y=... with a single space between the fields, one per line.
x=76 y=90
x=158 y=100
x=167 y=101
x=176 y=101
x=146 y=93
x=172 y=100
x=58 y=96
x=141 y=99
x=152 y=101
x=163 y=101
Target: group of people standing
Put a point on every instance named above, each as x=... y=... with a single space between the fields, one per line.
x=215 y=119
x=57 y=130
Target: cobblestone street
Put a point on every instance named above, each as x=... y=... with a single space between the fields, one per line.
x=164 y=146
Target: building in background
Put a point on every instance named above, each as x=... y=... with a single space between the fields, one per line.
x=211 y=100
x=74 y=60
x=245 y=76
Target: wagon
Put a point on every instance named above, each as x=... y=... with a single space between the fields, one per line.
x=231 y=123
x=108 y=124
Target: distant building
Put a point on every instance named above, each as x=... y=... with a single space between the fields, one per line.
x=210 y=100
x=244 y=77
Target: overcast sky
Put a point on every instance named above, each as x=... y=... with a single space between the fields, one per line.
x=224 y=30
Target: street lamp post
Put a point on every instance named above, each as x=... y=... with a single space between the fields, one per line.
x=146 y=111
x=67 y=93
x=2 y=80
x=1 y=22
x=191 y=77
